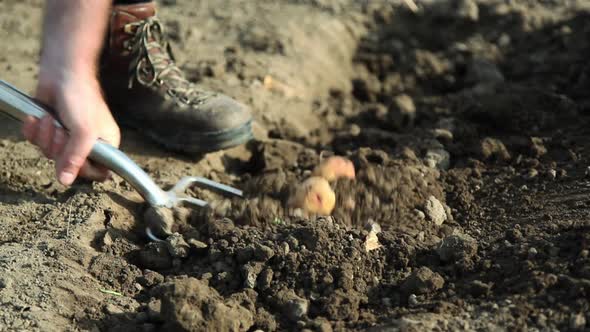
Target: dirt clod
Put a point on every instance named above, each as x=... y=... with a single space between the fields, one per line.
x=422 y=281
x=292 y=306
x=457 y=247
x=191 y=305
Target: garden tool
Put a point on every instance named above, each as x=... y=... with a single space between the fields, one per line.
x=18 y=105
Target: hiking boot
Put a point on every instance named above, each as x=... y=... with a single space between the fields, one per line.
x=147 y=91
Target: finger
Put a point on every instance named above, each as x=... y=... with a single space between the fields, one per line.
x=45 y=135
x=74 y=155
x=44 y=94
x=59 y=142
x=30 y=128
x=93 y=172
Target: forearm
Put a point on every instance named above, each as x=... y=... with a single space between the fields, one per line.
x=73 y=35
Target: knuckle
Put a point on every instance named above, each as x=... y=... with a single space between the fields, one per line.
x=74 y=162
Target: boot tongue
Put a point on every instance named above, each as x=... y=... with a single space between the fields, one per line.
x=140 y=11
x=122 y=16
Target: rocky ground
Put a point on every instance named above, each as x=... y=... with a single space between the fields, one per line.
x=466 y=121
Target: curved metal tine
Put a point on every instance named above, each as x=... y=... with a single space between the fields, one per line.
x=192 y=201
x=188 y=181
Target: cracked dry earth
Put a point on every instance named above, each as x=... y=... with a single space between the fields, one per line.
x=467 y=123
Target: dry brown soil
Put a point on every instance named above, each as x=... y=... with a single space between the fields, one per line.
x=466 y=122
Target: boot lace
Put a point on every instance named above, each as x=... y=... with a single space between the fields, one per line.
x=153 y=64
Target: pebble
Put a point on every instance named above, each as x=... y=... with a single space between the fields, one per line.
x=435 y=211
x=552 y=174
x=531 y=174
x=584 y=253
x=438 y=158
x=196 y=244
x=532 y=252
x=577 y=321
x=413 y=300
x=420 y=214
x=402 y=111
x=250 y=274
x=443 y=135
x=112 y=309
x=154 y=309
x=177 y=246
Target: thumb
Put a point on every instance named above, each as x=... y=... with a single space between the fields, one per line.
x=73 y=156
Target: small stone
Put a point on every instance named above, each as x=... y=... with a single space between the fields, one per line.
x=413 y=300
x=438 y=158
x=435 y=211
x=372 y=242
x=421 y=236
x=196 y=244
x=532 y=252
x=443 y=135
x=292 y=241
x=478 y=288
x=552 y=174
x=285 y=248
x=250 y=274
x=154 y=309
x=583 y=254
x=177 y=246
x=420 y=214
x=402 y=111
x=264 y=279
x=112 y=309
x=504 y=40
x=354 y=130
x=531 y=174
x=107 y=239
x=513 y=235
x=577 y=321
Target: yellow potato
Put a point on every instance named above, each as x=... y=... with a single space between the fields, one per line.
x=314 y=196
x=335 y=167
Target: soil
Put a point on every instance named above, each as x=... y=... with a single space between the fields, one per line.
x=467 y=123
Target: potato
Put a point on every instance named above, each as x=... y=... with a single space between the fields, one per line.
x=335 y=167
x=314 y=196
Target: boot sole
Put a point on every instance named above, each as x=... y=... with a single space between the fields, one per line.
x=199 y=143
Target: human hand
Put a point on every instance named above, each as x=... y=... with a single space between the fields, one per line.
x=81 y=108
